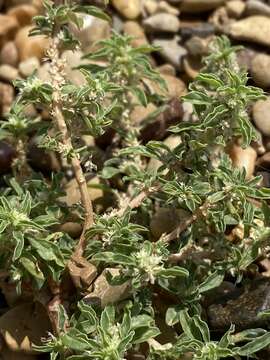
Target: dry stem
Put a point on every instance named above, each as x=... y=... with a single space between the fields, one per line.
x=57 y=75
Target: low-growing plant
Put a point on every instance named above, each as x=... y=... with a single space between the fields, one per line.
x=167 y=277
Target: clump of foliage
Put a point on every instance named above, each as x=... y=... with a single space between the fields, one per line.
x=181 y=266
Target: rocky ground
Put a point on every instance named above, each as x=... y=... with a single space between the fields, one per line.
x=182 y=29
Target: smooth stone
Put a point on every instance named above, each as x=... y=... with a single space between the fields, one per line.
x=23 y=326
x=132 y=28
x=28 y=47
x=196 y=6
x=7 y=95
x=139 y=113
x=260 y=66
x=162 y=22
x=263 y=162
x=261 y=116
x=152 y=7
x=73 y=59
x=256 y=7
x=104 y=293
x=8 y=28
x=28 y=66
x=245 y=57
x=167 y=69
x=254 y=28
x=73 y=229
x=9 y=54
x=243 y=158
x=73 y=195
x=8 y=73
x=7 y=154
x=82 y=272
x=129 y=9
x=197 y=46
x=172 y=142
x=235 y=8
x=7 y=354
x=196 y=28
x=163 y=6
x=175 y=86
x=192 y=66
x=92 y=30
x=23 y=13
x=171 y=50
x=166 y=220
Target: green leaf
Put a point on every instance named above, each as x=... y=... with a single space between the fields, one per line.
x=107 y=317
x=213 y=281
x=114 y=258
x=108 y=172
x=203 y=327
x=174 y=271
x=252 y=347
x=75 y=340
x=140 y=95
x=19 y=240
x=32 y=268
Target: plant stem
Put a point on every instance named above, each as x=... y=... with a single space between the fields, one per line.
x=58 y=79
x=185 y=224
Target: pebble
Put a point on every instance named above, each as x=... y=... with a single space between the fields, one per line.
x=192 y=66
x=23 y=13
x=166 y=220
x=235 y=8
x=157 y=128
x=7 y=95
x=28 y=66
x=245 y=57
x=175 y=86
x=8 y=28
x=7 y=154
x=8 y=73
x=171 y=50
x=82 y=272
x=139 y=113
x=172 y=142
x=9 y=54
x=256 y=7
x=73 y=229
x=197 y=46
x=193 y=28
x=73 y=59
x=152 y=7
x=254 y=28
x=260 y=66
x=167 y=69
x=263 y=162
x=196 y=6
x=7 y=354
x=93 y=30
x=132 y=28
x=129 y=9
x=30 y=46
x=23 y=326
x=244 y=158
x=164 y=6
x=162 y=22
x=73 y=195
x=104 y=293
x=261 y=116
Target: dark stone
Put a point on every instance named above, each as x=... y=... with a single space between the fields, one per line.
x=242 y=311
